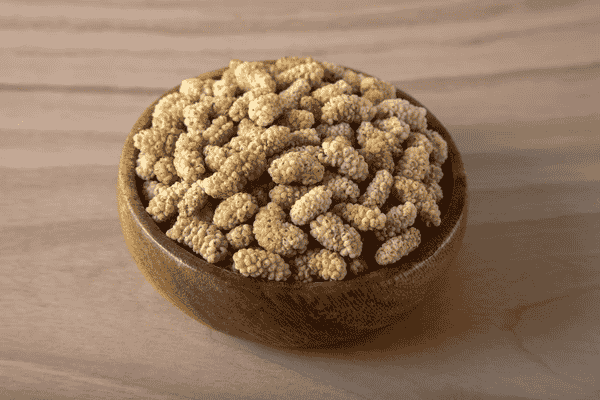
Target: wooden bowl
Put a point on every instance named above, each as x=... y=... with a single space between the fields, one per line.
x=291 y=314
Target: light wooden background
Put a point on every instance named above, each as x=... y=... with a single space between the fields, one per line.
x=515 y=82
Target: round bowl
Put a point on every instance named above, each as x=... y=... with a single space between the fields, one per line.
x=291 y=314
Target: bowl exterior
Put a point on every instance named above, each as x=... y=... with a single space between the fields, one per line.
x=286 y=314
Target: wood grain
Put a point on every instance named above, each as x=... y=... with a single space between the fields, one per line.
x=156 y=46
x=515 y=82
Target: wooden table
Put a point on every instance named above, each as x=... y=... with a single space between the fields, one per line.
x=516 y=83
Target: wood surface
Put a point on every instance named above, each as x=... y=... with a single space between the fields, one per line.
x=515 y=82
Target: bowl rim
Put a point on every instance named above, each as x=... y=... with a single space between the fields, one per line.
x=387 y=275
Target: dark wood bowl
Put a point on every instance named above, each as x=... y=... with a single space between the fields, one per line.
x=292 y=314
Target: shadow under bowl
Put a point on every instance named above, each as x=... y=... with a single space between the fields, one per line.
x=291 y=314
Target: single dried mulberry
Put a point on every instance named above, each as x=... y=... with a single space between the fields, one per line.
x=227 y=86
x=252 y=75
x=290 y=97
x=324 y=94
x=398 y=246
x=256 y=263
x=338 y=152
x=188 y=159
x=238 y=144
x=414 y=164
x=305 y=137
x=204 y=238
x=415 y=117
x=145 y=165
x=342 y=188
x=409 y=190
x=215 y=156
x=313 y=203
x=398 y=219
x=311 y=71
x=435 y=191
x=235 y=210
x=374 y=96
x=265 y=109
x=430 y=212
x=378 y=190
x=329 y=265
x=440 y=147
x=329 y=230
x=274 y=234
x=296 y=167
x=151 y=189
x=196 y=88
x=197 y=116
x=168 y=112
x=347 y=108
x=353 y=79
x=360 y=217
x=157 y=142
x=387 y=89
x=434 y=175
x=297 y=119
x=220 y=131
x=241 y=236
x=275 y=139
x=287 y=62
x=164 y=204
x=193 y=200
